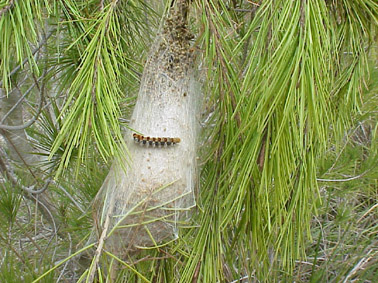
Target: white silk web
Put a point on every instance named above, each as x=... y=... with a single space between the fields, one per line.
x=143 y=205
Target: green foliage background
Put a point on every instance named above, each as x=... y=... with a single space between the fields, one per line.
x=289 y=139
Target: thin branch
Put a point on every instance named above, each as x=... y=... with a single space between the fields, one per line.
x=367 y=212
x=29 y=237
x=68 y=256
x=5 y=134
x=35 y=50
x=344 y=180
x=70 y=197
x=20 y=100
x=35 y=117
x=241 y=279
x=360 y=265
x=46 y=207
x=30 y=190
x=11 y=176
x=196 y=272
x=3 y=167
x=254 y=3
x=26 y=125
x=101 y=242
x=6 y=172
x=15 y=252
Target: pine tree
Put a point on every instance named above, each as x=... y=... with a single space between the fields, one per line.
x=279 y=81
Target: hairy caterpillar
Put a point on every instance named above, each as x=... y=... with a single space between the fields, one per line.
x=155 y=141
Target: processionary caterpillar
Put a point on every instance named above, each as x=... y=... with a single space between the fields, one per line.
x=155 y=141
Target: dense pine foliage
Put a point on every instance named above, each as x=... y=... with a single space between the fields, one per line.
x=287 y=188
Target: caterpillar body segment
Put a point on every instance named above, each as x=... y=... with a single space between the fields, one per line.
x=155 y=141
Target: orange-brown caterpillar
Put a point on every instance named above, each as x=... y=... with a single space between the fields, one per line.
x=155 y=141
